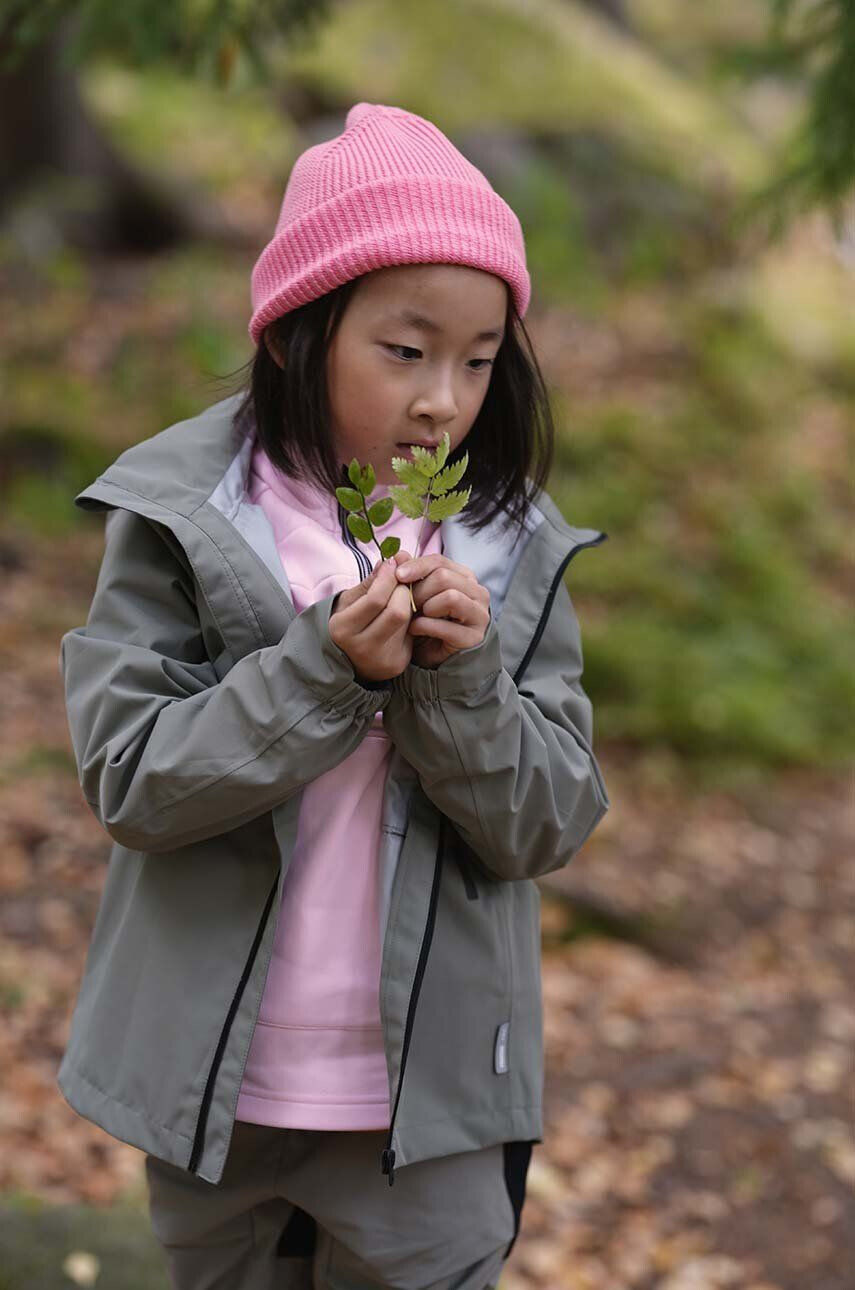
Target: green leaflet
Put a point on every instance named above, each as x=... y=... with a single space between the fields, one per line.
x=449 y=477
x=359 y=527
x=369 y=480
x=426 y=460
x=350 y=499
x=409 y=473
x=442 y=507
x=424 y=492
x=427 y=482
x=381 y=512
x=406 y=503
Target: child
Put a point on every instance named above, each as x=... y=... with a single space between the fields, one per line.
x=315 y=970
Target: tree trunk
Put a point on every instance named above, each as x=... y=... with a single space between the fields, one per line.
x=93 y=198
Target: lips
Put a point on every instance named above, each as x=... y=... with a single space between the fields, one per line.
x=419 y=443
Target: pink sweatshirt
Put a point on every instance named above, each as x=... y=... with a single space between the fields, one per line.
x=316 y=1060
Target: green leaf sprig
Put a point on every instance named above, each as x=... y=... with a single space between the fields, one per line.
x=427 y=483
x=362 y=516
x=427 y=491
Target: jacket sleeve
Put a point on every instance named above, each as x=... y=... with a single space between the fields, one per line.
x=512 y=768
x=167 y=753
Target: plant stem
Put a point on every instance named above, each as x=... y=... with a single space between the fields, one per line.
x=422 y=525
x=377 y=544
x=419 y=544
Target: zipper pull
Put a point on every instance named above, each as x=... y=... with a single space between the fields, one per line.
x=388 y=1163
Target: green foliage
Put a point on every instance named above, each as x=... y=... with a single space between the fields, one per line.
x=413 y=478
x=443 y=507
x=407 y=502
x=41 y=470
x=360 y=528
x=363 y=517
x=425 y=493
x=36 y=1238
x=363 y=480
x=40 y=759
x=562 y=259
x=205 y=37
x=811 y=44
x=714 y=619
x=450 y=476
x=427 y=462
x=823 y=161
x=381 y=512
x=161 y=120
x=542 y=69
x=427 y=481
x=350 y=498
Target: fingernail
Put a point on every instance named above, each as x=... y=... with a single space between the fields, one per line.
x=404 y=569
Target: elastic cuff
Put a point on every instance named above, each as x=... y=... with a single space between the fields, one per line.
x=325 y=668
x=463 y=673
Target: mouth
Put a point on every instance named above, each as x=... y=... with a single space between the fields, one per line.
x=419 y=443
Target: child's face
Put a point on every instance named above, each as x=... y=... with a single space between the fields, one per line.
x=391 y=382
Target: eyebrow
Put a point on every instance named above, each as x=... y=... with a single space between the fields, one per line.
x=421 y=323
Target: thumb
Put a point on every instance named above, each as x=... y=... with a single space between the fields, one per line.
x=381 y=567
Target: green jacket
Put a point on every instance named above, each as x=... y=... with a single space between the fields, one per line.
x=200 y=703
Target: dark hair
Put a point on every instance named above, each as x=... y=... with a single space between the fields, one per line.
x=510 y=442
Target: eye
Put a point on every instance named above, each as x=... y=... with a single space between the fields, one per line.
x=412 y=350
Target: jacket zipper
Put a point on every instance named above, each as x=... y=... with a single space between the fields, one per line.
x=387 y=1157
x=551 y=594
x=201 y=1123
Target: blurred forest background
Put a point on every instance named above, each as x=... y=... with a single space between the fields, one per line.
x=683 y=175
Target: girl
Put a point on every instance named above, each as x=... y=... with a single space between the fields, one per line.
x=315 y=970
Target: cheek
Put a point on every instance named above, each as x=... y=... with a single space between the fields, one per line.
x=358 y=391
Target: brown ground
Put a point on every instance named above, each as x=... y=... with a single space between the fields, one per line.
x=699 y=1127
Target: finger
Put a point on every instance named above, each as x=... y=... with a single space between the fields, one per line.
x=445 y=579
x=350 y=595
x=442 y=629
x=344 y=599
x=457 y=605
x=378 y=587
x=394 y=618
x=421 y=566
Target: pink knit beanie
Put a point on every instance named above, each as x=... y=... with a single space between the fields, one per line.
x=390 y=189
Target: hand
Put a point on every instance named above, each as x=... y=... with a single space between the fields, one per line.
x=452 y=608
x=370 y=622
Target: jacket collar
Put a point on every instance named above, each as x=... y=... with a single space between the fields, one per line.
x=191 y=478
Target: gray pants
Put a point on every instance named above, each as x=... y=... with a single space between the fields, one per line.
x=304 y=1209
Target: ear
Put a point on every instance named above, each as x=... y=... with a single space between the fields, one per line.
x=273 y=349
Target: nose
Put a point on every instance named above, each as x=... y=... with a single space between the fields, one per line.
x=436 y=400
